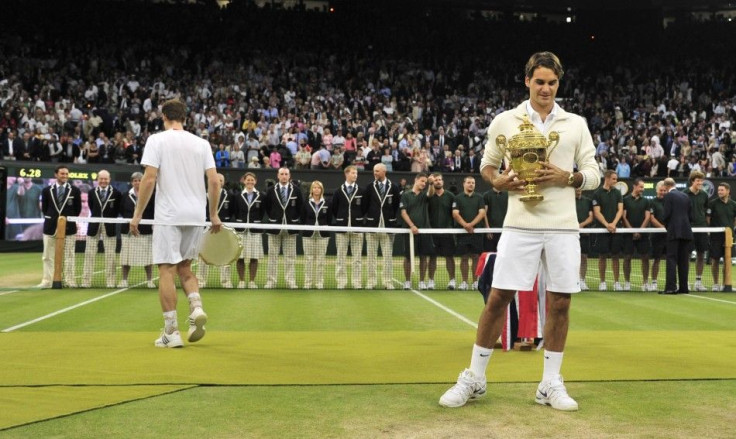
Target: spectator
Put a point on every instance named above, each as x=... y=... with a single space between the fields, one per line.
x=237 y=157
x=303 y=157
x=275 y=158
x=732 y=166
x=623 y=170
x=254 y=164
x=327 y=139
x=338 y=158
x=717 y=162
x=222 y=156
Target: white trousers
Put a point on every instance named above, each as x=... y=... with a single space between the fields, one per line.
x=386 y=242
x=90 y=254
x=49 y=251
x=315 y=249
x=354 y=241
x=286 y=243
x=203 y=269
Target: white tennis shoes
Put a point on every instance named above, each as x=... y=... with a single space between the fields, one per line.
x=197 y=320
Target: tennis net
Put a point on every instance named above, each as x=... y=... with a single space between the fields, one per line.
x=371 y=258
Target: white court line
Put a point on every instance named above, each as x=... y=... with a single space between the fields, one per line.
x=9 y=292
x=442 y=307
x=708 y=298
x=61 y=311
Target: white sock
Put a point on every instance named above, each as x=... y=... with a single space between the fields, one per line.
x=170 y=323
x=195 y=301
x=479 y=360
x=552 y=365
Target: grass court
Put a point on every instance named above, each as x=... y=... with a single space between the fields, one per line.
x=366 y=364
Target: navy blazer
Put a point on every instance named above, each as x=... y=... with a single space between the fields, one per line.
x=224 y=207
x=377 y=207
x=316 y=217
x=348 y=210
x=109 y=209
x=127 y=209
x=70 y=204
x=280 y=213
x=677 y=215
x=248 y=213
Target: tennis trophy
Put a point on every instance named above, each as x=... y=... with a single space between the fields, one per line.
x=524 y=152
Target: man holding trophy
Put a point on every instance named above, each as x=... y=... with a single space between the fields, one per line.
x=540 y=230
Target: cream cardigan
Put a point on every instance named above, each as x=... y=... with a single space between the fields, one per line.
x=556 y=213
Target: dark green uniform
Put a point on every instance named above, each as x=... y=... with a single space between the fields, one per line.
x=699 y=203
x=440 y=211
x=415 y=206
x=635 y=210
x=721 y=215
x=608 y=201
x=497 y=204
x=468 y=207
x=440 y=217
x=584 y=207
x=658 y=240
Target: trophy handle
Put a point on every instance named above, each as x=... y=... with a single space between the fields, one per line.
x=501 y=143
x=554 y=140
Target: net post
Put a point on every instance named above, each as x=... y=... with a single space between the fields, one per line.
x=727 y=259
x=60 y=238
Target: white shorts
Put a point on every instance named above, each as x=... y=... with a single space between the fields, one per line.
x=521 y=255
x=173 y=244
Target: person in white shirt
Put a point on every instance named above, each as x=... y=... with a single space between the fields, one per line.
x=672 y=166
x=540 y=232
x=175 y=161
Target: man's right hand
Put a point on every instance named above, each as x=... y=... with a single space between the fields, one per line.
x=508 y=181
x=134 y=225
x=216 y=224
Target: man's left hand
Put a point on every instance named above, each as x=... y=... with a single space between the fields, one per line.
x=551 y=175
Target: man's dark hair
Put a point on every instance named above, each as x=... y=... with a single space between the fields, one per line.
x=175 y=110
x=544 y=59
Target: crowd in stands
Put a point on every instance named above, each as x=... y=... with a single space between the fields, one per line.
x=82 y=83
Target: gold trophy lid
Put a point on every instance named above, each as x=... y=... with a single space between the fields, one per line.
x=528 y=136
